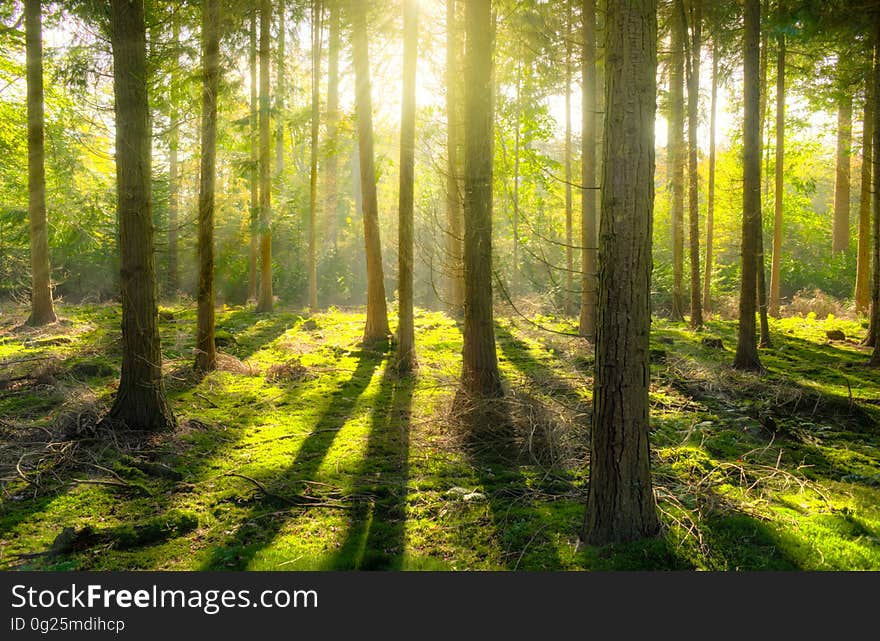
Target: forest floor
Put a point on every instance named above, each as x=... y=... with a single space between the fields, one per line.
x=306 y=451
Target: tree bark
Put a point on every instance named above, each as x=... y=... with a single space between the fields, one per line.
x=173 y=279
x=776 y=262
x=42 y=309
x=377 y=315
x=696 y=19
x=746 y=357
x=206 y=357
x=317 y=13
x=406 y=353
x=710 y=200
x=568 y=304
x=140 y=401
x=620 y=502
x=265 y=302
x=254 y=171
x=863 y=263
x=874 y=330
x=589 y=268
x=479 y=376
x=454 y=161
x=840 y=238
x=675 y=146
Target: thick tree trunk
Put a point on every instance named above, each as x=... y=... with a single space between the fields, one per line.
x=620 y=502
x=317 y=14
x=173 y=279
x=747 y=349
x=696 y=19
x=776 y=262
x=675 y=146
x=454 y=160
x=863 y=263
x=254 y=171
x=140 y=401
x=710 y=204
x=406 y=352
x=840 y=237
x=206 y=357
x=479 y=376
x=589 y=268
x=568 y=305
x=265 y=302
x=377 y=315
x=332 y=213
x=42 y=310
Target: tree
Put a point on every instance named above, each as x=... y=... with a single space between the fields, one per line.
x=265 y=302
x=620 y=501
x=454 y=148
x=332 y=118
x=863 y=264
x=675 y=152
x=173 y=279
x=140 y=401
x=746 y=357
x=479 y=374
x=710 y=198
x=377 y=313
x=406 y=354
x=317 y=14
x=840 y=236
x=42 y=310
x=695 y=9
x=589 y=270
x=776 y=261
x=569 y=229
x=874 y=329
x=253 y=172
x=761 y=273
x=206 y=357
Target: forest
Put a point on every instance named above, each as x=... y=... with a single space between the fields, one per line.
x=440 y=285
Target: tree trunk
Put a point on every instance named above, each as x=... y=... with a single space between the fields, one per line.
x=173 y=278
x=696 y=20
x=516 y=153
x=863 y=263
x=568 y=305
x=206 y=357
x=317 y=13
x=840 y=239
x=454 y=161
x=710 y=204
x=280 y=95
x=675 y=147
x=253 y=173
x=406 y=352
x=479 y=376
x=779 y=189
x=265 y=302
x=42 y=310
x=377 y=315
x=140 y=401
x=746 y=357
x=620 y=502
x=761 y=282
x=589 y=295
x=874 y=330
x=332 y=213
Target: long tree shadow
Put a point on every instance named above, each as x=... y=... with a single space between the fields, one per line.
x=376 y=534
x=250 y=332
x=240 y=549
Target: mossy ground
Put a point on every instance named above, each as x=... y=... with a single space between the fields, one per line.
x=305 y=450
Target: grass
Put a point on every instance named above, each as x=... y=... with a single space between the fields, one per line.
x=305 y=450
